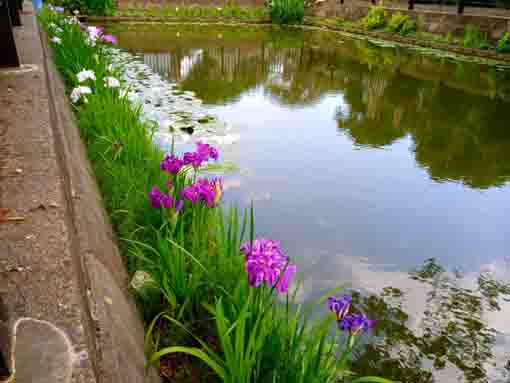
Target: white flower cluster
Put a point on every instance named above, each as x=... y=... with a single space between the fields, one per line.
x=79 y=93
x=111 y=82
x=85 y=75
x=56 y=40
x=70 y=20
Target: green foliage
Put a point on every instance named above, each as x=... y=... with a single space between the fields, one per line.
x=88 y=7
x=474 y=38
x=402 y=24
x=230 y=11
x=199 y=289
x=449 y=38
x=287 y=11
x=375 y=19
x=503 y=45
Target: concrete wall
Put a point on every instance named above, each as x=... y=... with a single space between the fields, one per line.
x=427 y=21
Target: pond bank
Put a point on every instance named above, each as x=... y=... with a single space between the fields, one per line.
x=327 y=24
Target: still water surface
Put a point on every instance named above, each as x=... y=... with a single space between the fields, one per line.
x=375 y=166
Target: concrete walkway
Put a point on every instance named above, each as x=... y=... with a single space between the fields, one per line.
x=66 y=314
x=39 y=280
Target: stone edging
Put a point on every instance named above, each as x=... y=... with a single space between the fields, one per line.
x=308 y=23
x=416 y=42
x=115 y=332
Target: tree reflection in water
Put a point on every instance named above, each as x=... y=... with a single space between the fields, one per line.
x=452 y=336
x=455 y=113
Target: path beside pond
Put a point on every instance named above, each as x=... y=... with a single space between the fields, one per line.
x=64 y=307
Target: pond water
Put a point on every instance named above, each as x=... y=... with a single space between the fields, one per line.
x=376 y=166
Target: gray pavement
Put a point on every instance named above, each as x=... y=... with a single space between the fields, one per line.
x=43 y=316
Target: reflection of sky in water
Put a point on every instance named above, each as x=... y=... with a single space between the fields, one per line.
x=376 y=204
x=367 y=204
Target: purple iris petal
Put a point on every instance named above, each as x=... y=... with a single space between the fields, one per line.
x=203 y=190
x=340 y=306
x=190 y=193
x=354 y=323
x=167 y=201
x=159 y=199
x=110 y=39
x=213 y=153
x=179 y=205
x=171 y=164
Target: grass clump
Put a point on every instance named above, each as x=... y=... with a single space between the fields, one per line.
x=287 y=11
x=402 y=24
x=503 y=45
x=213 y=295
x=474 y=38
x=375 y=19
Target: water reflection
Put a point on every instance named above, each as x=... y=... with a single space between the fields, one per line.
x=455 y=113
x=364 y=162
x=453 y=336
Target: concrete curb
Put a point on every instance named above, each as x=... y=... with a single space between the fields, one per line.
x=115 y=332
x=470 y=52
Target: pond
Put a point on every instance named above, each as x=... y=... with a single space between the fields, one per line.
x=379 y=167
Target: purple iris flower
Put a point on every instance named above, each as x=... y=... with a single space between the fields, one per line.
x=203 y=153
x=159 y=199
x=340 y=306
x=354 y=323
x=265 y=263
x=206 y=151
x=110 y=39
x=204 y=190
x=192 y=158
x=171 y=164
x=190 y=193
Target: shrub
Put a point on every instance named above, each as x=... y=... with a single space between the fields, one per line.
x=503 y=45
x=402 y=24
x=474 y=38
x=287 y=11
x=88 y=7
x=376 y=18
x=408 y=28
